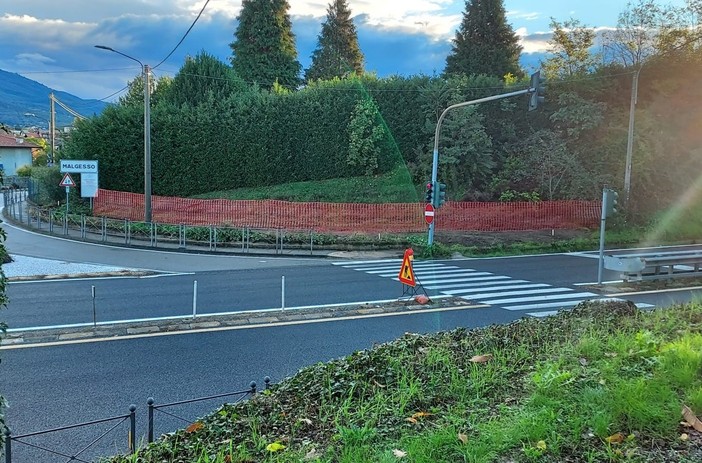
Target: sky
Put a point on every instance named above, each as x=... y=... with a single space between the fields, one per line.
x=52 y=42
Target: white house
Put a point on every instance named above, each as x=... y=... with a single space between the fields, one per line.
x=15 y=152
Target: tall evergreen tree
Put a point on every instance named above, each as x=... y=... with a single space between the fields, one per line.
x=337 y=51
x=485 y=43
x=263 y=51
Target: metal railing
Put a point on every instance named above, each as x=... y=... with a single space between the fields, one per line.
x=153 y=407
x=212 y=238
x=21 y=439
x=656 y=265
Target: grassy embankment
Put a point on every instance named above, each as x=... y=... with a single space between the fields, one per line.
x=600 y=383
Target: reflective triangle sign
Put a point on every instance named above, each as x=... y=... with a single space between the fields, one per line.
x=406 y=275
x=67 y=181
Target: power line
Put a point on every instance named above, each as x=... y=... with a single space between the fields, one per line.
x=184 y=36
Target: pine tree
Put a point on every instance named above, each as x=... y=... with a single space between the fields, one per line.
x=337 y=52
x=485 y=43
x=263 y=51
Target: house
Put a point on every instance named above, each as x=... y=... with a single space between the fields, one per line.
x=15 y=152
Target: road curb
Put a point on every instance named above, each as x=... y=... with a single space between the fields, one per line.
x=105 y=331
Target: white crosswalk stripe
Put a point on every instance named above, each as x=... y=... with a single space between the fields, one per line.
x=482 y=287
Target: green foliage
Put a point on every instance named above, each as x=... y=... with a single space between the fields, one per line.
x=570 y=47
x=602 y=382
x=337 y=53
x=263 y=51
x=47 y=191
x=24 y=171
x=365 y=136
x=485 y=42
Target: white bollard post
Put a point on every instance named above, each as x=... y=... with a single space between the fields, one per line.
x=194 y=298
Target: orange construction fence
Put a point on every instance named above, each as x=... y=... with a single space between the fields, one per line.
x=345 y=217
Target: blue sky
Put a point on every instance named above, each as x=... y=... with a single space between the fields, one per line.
x=52 y=42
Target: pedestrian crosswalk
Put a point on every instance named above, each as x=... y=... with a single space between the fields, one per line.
x=534 y=299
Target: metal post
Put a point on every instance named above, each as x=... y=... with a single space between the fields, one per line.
x=94 y=312
x=194 y=298
x=630 y=138
x=132 y=428
x=104 y=229
x=603 y=224
x=8 y=445
x=147 y=144
x=282 y=293
x=150 y=433
x=266 y=382
x=435 y=160
x=253 y=387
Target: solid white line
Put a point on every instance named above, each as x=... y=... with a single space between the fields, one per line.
x=42 y=279
x=362 y=262
x=541 y=298
x=499 y=289
x=504 y=281
x=238 y=327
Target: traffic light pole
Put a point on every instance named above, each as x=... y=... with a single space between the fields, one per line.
x=435 y=162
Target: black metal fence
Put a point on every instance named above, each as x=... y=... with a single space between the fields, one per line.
x=114 y=422
x=77 y=455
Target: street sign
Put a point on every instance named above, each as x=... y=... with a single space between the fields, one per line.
x=428 y=213
x=406 y=275
x=67 y=181
x=79 y=167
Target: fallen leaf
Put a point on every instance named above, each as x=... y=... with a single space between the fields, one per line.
x=583 y=362
x=610 y=354
x=690 y=417
x=684 y=437
x=307 y=421
x=481 y=358
x=196 y=426
x=463 y=438
x=411 y=420
x=399 y=453
x=541 y=445
x=615 y=438
x=421 y=415
x=311 y=455
x=378 y=384
x=274 y=447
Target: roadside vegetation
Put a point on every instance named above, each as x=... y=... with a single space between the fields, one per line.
x=604 y=382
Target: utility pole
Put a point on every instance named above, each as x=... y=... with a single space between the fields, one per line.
x=630 y=138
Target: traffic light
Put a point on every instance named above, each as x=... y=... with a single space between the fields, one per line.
x=611 y=201
x=536 y=91
x=441 y=195
x=429 y=196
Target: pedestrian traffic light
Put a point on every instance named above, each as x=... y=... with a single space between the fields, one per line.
x=536 y=91
x=429 y=196
x=441 y=195
x=611 y=200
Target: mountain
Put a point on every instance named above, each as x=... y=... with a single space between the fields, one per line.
x=21 y=97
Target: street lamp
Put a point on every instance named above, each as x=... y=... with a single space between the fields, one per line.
x=147 y=131
x=630 y=137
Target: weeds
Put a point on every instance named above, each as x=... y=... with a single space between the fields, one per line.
x=601 y=383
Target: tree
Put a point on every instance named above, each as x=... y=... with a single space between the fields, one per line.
x=337 y=52
x=366 y=134
x=570 y=45
x=201 y=78
x=263 y=51
x=135 y=91
x=484 y=43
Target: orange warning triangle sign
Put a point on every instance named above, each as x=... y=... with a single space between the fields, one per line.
x=406 y=275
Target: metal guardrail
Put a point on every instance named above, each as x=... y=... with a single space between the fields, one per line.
x=656 y=265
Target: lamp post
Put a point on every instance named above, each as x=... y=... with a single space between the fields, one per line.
x=630 y=137
x=147 y=131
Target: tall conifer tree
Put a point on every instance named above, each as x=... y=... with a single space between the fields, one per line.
x=485 y=43
x=337 y=52
x=264 y=47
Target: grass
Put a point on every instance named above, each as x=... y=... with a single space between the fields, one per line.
x=393 y=187
x=604 y=382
